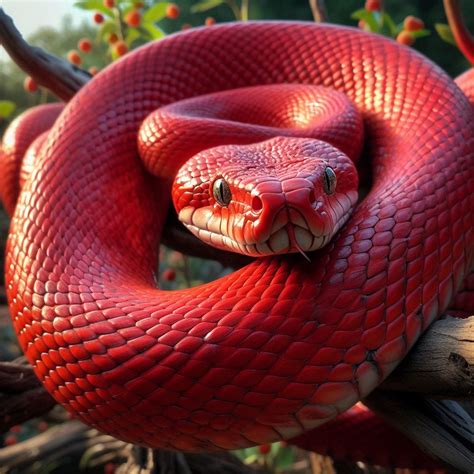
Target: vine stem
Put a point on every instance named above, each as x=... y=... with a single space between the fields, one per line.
x=463 y=38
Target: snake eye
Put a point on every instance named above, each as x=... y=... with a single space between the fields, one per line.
x=221 y=192
x=329 y=180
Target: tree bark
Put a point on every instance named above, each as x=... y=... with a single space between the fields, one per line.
x=442 y=428
x=441 y=365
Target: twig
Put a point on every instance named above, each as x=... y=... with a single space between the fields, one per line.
x=463 y=38
x=59 y=76
x=318 y=7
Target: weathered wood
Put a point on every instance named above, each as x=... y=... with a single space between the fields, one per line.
x=442 y=428
x=441 y=365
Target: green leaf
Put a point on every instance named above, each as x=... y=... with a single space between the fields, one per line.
x=106 y=29
x=250 y=459
x=156 y=13
x=284 y=458
x=369 y=19
x=206 y=5
x=153 y=31
x=390 y=25
x=445 y=33
x=7 y=107
x=96 y=5
x=132 y=35
x=420 y=33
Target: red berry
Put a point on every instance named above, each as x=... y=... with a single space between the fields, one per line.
x=74 y=58
x=42 y=426
x=10 y=440
x=186 y=26
x=113 y=38
x=172 y=11
x=404 y=37
x=109 y=3
x=30 y=85
x=210 y=21
x=361 y=24
x=372 y=5
x=264 y=448
x=411 y=23
x=84 y=45
x=15 y=429
x=169 y=274
x=109 y=468
x=98 y=18
x=120 y=48
x=93 y=70
x=133 y=18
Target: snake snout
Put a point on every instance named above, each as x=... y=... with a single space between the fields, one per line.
x=290 y=219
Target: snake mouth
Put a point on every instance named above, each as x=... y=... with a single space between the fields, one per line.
x=290 y=233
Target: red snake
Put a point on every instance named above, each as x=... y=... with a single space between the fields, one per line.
x=282 y=345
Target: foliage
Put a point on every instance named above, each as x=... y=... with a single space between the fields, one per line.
x=7 y=107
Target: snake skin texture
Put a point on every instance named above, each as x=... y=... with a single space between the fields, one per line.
x=15 y=142
x=282 y=345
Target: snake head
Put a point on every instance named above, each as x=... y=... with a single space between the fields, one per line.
x=279 y=196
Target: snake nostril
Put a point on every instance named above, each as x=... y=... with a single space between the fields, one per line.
x=257 y=204
x=312 y=197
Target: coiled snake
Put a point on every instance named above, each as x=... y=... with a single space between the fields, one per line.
x=282 y=345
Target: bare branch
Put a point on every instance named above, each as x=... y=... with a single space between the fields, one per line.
x=57 y=75
x=318 y=7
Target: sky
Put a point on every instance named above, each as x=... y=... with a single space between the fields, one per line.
x=29 y=15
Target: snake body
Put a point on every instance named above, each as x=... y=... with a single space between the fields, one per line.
x=280 y=346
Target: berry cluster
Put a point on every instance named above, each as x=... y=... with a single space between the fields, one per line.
x=373 y=18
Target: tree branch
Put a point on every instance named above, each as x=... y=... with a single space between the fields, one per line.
x=68 y=439
x=22 y=397
x=441 y=365
x=318 y=7
x=57 y=75
x=442 y=428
